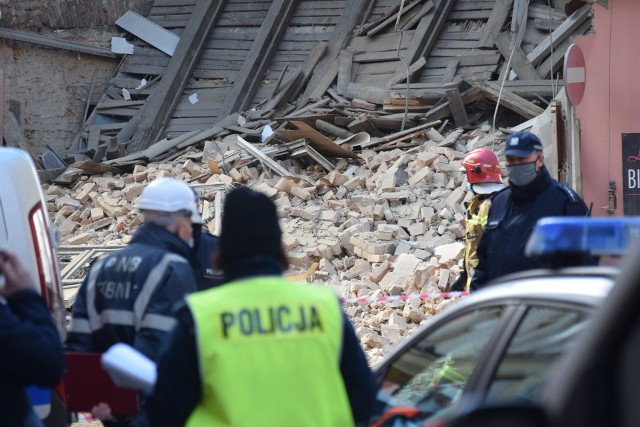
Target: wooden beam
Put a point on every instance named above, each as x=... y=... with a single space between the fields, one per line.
x=413 y=68
x=456 y=104
x=319 y=49
x=425 y=35
x=146 y=127
x=495 y=23
x=345 y=63
x=519 y=62
x=262 y=50
x=451 y=70
x=510 y=100
x=543 y=49
x=319 y=83
x=393 y=18
x=40 y=40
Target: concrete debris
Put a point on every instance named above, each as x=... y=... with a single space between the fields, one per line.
x=369 y=239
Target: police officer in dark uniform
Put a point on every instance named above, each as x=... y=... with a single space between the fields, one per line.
x=532 y=194
x=205 y=245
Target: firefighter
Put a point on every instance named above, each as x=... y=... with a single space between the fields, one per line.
x=483 y=179
x=128 y=295
x=260 y=350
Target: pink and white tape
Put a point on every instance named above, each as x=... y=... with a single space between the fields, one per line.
x=367 y=300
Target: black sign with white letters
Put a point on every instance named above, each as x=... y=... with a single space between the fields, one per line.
x=631 y=173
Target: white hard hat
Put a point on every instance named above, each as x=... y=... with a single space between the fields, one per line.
x=169 y=195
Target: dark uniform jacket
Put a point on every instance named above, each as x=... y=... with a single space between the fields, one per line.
x=513 y=215
x=179 y=386
x=30 y=354
x=206 y=276
x=128 y=295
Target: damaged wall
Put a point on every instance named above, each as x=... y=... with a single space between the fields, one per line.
x=51 y=87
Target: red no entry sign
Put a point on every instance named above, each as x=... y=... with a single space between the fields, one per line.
x=574 y=74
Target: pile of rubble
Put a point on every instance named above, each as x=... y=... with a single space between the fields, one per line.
x=389 y=223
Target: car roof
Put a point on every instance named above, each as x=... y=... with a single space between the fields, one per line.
x=581 y=283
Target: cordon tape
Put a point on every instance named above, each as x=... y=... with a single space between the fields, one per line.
x=367 y=300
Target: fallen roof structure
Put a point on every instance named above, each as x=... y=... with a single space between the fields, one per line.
x=377 y=66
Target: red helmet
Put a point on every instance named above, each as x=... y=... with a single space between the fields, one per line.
x=482 y=165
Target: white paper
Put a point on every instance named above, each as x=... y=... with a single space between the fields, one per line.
x=142 y=84
x=121 y=45
x=193 y=98
x=266 y=132
x=129 y=368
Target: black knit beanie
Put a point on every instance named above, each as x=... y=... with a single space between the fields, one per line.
x=249 y=226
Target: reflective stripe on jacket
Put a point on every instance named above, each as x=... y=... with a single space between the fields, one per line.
x=269 y=355
x=128 y=295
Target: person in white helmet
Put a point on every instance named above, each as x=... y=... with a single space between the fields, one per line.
x=128 y=295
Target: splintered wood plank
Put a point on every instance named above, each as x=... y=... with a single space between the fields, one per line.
x=495 y=23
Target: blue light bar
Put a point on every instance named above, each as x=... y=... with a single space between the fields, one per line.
x=580 y=235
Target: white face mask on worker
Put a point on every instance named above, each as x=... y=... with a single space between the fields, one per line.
x=523 y=173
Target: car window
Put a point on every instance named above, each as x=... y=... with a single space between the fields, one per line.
x=543 y=334
x=433 y=372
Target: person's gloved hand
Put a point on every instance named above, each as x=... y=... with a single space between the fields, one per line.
x=460 y=284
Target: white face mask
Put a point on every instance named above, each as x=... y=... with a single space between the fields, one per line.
x=523 y=173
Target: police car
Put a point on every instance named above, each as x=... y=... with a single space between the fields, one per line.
x=27 y=231
x=502 y=342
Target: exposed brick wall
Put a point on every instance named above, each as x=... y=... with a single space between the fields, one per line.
x=51 y=87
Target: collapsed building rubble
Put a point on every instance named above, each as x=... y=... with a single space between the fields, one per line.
x=352 y=117
x=388 y=223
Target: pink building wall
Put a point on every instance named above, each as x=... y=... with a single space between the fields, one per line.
x=611 y=103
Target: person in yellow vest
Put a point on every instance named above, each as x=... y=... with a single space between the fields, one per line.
x=260 y=349
x=483 y=179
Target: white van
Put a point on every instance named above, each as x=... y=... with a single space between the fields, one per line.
x=27 y=230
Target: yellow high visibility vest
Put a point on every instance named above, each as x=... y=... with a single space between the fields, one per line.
x=477 y=213
x=269 y=355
